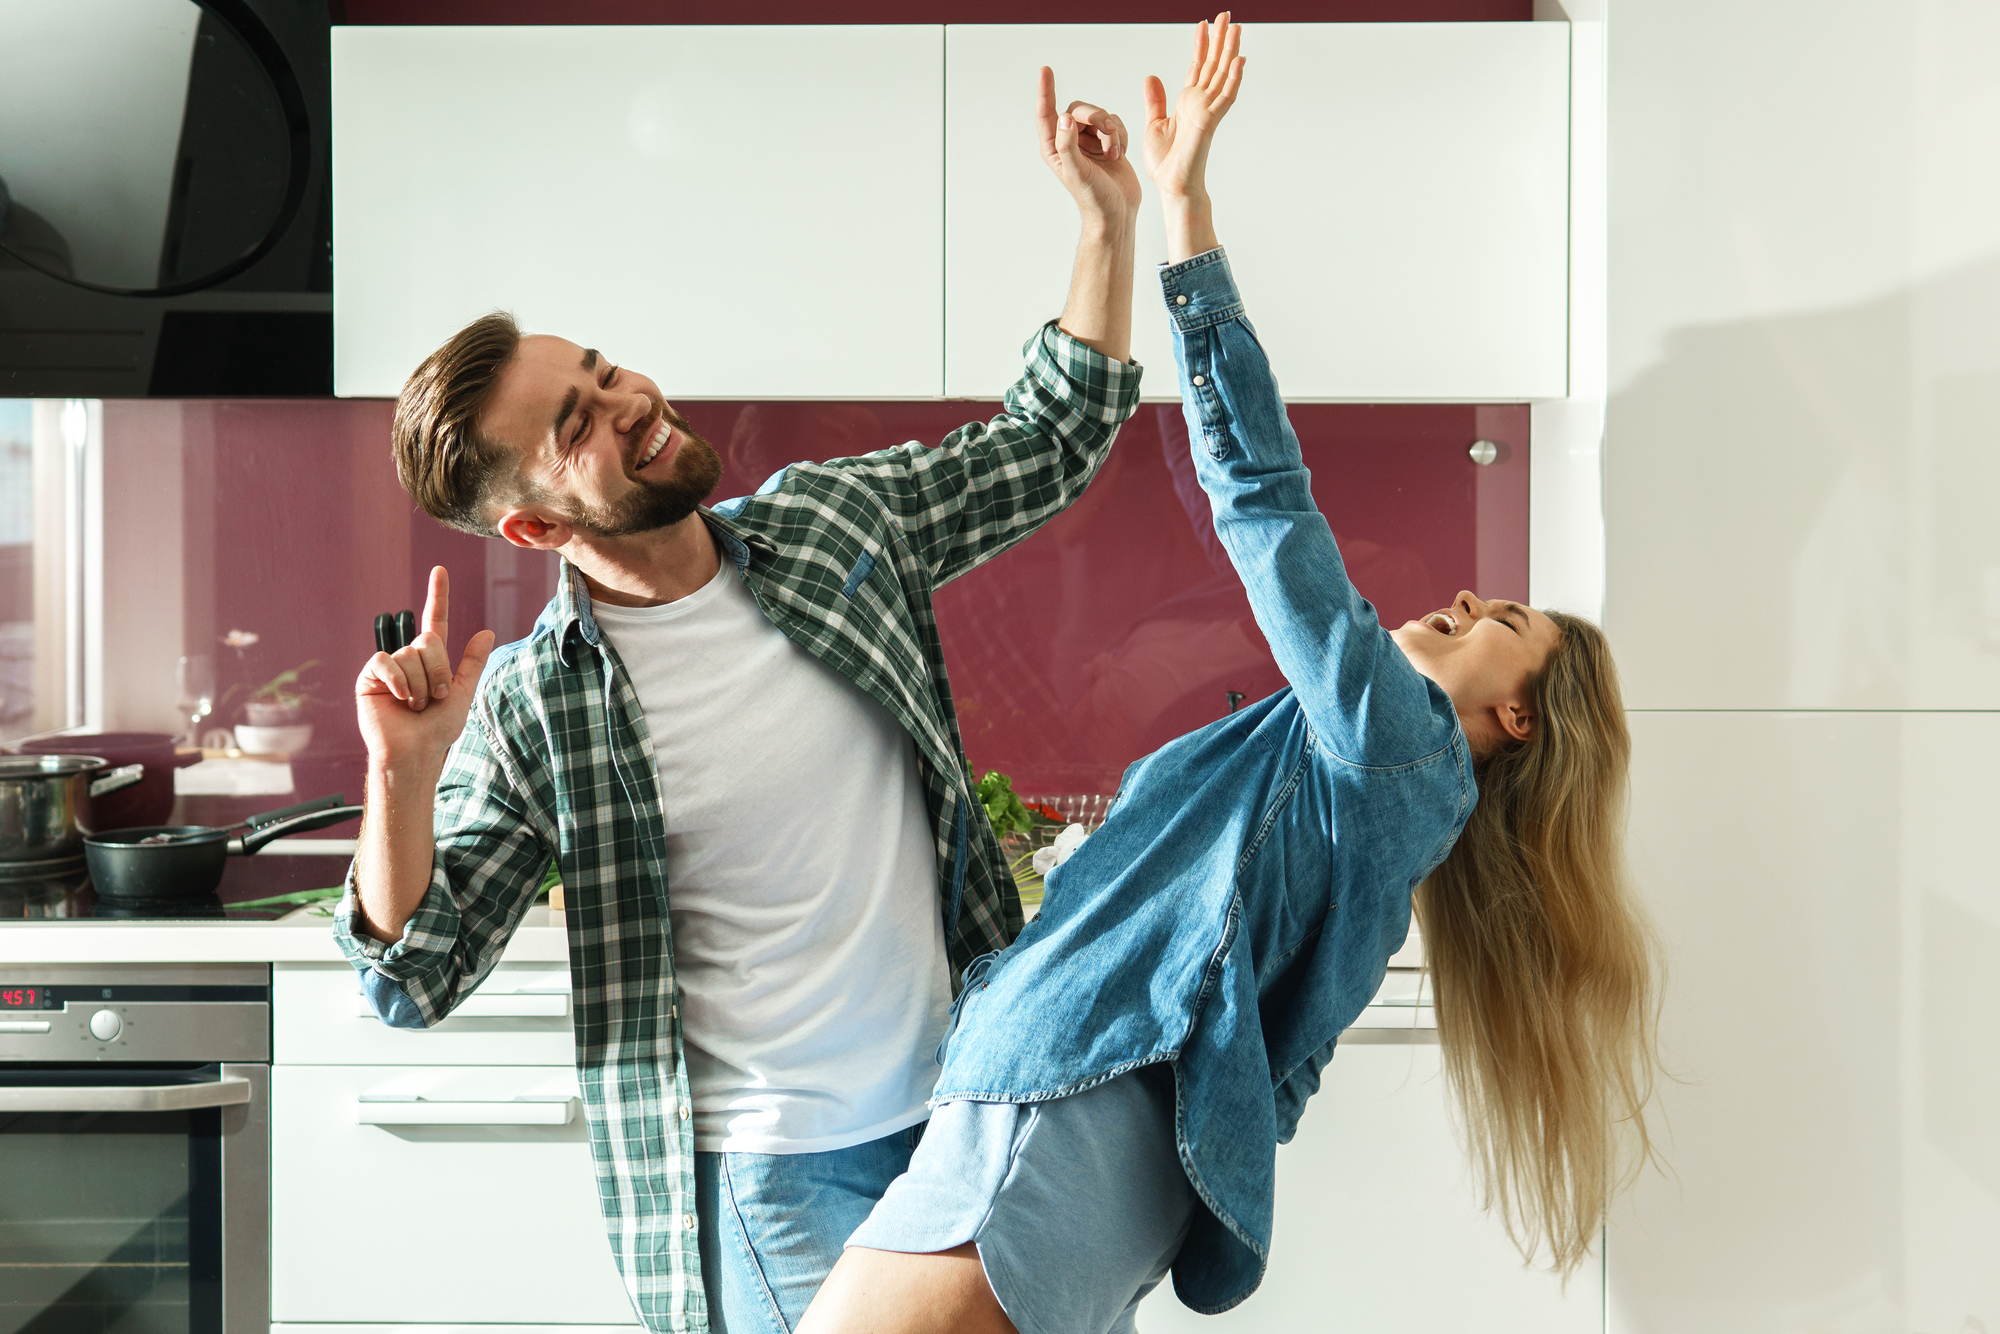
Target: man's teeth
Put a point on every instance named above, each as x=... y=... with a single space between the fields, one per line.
x=659 y=443
x=1443 y=622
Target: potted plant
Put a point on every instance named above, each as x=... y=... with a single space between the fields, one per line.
x=274 y=714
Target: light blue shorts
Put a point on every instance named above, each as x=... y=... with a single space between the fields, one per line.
x=1079 y=1204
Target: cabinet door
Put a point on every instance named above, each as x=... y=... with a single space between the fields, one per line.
x=1394 y=198
x=497 y=1220
x=735 y=212
x=1378 y=1228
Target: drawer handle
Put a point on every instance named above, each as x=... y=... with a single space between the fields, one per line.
x=530 y=1109
x=506 y=1005
x=24 y=1025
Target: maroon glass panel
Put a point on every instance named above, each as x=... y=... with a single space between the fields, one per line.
x=1116 y=627
x=1120 y=625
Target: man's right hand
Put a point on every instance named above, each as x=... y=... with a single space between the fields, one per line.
x=412 y=706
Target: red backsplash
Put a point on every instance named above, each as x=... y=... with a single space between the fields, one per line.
x=1115 y=628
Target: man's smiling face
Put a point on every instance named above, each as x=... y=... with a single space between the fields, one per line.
x=597 y=444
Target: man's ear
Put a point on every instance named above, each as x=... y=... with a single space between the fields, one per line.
x=533 y=527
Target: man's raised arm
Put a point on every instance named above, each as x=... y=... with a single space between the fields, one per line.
x=412 y=707
x=1085 y=146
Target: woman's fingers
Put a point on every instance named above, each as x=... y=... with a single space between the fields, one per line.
x=1231 y=40
x=1154 y=94
x=1200 y=55
x=1227 y=98
x=1212 y=52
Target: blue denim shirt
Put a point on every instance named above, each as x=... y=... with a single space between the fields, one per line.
x=1239 y=907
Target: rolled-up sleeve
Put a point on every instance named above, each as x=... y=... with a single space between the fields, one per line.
x=487 y=869
x=990 y=484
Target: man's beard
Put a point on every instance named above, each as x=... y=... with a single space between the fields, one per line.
x=654 y=505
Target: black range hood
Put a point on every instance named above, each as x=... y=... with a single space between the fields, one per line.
x=165 y=200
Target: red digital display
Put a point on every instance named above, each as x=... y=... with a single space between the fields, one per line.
x=20 y=998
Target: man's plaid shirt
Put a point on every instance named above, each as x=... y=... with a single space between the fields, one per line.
x=556 y=762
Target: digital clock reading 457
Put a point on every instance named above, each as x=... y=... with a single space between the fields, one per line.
x=21 y=998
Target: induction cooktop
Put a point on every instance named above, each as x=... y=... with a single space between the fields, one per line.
x=51 y=892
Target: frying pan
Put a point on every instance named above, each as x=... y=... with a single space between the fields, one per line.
x=124 y=866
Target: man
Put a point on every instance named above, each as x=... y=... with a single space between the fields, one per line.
x=732 y=731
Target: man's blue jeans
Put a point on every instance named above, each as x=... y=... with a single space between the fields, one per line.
x=772 y=1225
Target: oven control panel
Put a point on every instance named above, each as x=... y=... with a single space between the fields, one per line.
x=133 y=1022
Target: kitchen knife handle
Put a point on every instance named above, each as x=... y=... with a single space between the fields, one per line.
x=406 y=628
x=385 y=633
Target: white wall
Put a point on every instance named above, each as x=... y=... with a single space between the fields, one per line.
x=1803 y=585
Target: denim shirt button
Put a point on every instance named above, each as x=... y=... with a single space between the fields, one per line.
x=1200 y=380
x=1180 y=300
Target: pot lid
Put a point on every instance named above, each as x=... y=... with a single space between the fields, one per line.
x=47 y=766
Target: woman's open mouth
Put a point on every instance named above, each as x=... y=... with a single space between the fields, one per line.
x=1443 y=622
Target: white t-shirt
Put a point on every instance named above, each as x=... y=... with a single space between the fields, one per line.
x=802 y=880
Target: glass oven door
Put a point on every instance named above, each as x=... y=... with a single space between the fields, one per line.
x=132 y=1198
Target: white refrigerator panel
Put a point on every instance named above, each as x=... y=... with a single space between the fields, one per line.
x=736 y=212
x=1394 y=199
x=1378 y=1230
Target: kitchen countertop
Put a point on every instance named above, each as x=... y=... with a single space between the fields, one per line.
x=300 y=937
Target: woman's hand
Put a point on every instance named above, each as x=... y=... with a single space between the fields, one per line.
x=1177 y=144
x=1085 y=147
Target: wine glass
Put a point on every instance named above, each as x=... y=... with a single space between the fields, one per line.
x=194 y=686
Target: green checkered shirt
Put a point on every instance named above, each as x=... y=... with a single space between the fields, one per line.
x=556 y=762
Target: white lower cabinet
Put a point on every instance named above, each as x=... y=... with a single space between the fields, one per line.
x=1378 y=1230
x=436 y=1195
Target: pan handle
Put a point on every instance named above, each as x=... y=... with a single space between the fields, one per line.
x=297 y=824
x=114 y=779
x=262 y=818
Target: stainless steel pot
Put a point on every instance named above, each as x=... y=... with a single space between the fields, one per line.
x=45 y=802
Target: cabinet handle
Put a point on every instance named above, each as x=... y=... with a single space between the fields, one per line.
x=506 y=1005
x=127 y=1098
x=530 y=1109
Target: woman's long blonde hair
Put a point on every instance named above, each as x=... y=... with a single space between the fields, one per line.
x=1544 y=965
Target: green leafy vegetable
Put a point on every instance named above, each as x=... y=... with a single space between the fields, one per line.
x=1004 y=810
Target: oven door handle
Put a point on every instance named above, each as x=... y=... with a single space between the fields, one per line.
x=126 y=1098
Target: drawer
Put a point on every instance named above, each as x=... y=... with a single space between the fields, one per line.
x=519 y=1016
x=478 y=1177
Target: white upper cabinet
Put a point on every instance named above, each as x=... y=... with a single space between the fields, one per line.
x=734 y=211
x=1394 y=200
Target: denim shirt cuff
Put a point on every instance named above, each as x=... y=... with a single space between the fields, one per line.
x=1200 y=292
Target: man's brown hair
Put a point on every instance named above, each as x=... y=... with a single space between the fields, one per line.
x=442 y=460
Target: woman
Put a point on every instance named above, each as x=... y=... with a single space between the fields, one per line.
x=1116 y=1082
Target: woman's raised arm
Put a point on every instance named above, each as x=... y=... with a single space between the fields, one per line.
x=1368 y=705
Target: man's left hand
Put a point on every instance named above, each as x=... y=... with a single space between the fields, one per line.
x=1085 y=148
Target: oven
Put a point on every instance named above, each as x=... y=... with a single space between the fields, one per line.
x=135 y=1149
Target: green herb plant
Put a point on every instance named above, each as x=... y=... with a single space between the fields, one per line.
x=1008 y=814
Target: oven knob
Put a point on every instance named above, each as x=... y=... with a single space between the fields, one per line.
x=104 y=1025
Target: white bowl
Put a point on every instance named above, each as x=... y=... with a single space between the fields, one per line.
x=273 y=740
